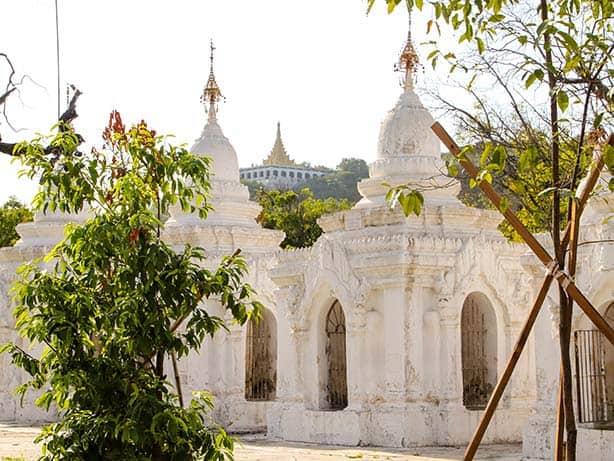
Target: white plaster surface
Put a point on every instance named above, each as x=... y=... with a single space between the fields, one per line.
x=401 y=283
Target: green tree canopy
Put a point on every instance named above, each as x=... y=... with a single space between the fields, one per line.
x=296 y=214
x=112 y=302
x=13 y=212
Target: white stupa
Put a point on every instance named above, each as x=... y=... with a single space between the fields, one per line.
x=231 y=224
x=230 y=199
x=407 y=151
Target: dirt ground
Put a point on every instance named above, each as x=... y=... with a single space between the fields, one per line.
x=17 y=441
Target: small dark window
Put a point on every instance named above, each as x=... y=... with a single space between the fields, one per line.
x=336 y=386
x=261 y=358
x=478 y=350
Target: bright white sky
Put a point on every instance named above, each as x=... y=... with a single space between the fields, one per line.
x=321 y=67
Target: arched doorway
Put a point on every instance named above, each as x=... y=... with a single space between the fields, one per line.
x=479 y=350
x=336 y=383
x=261 y=358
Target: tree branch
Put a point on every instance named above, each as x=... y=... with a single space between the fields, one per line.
x=65 y=119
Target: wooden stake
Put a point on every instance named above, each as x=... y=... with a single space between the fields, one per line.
x=507 y=372
x=559 y=446
x=177 y=378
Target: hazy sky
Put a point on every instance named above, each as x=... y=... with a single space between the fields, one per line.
x=323 y=68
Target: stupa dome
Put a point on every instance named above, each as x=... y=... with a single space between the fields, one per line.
x=408 y=152
x=406 y=129
x=214 y=144
x=229 y=198
x=407 y=146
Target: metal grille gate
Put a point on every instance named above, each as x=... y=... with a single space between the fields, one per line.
x=260 y=375
x=590 y=376
x=337 y=391
x=476 y=389
x=594 y=370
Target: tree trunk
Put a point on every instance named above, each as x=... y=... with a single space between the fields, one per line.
x=564 y=302
x=564 y=342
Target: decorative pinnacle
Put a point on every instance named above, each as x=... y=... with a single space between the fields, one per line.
x=278 y=155
x=211 y=94
x=408 y=60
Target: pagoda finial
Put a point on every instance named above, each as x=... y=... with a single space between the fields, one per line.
x=278 y=155
x=408 y=60
x=211 y=94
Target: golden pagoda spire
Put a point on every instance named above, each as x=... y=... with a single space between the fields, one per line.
x=211 y=94
x=278 y=155
x=408 y=60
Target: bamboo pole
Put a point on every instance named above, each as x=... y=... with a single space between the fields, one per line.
x=559 y=446
x=566 y=316
x=508 y=370
x=177 y=378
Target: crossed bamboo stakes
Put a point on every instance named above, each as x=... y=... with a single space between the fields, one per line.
x=564 y=279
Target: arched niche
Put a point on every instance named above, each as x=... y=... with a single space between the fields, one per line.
x=336 y=389
x=261 y=358
x=478 y=350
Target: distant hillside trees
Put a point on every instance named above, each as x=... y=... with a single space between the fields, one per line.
x=296 y=214
x=341 y=183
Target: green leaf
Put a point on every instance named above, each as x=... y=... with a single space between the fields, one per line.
x=504 y=204
x=452 y=168
x=392 y=5
x=528 y=159
x=537 y=74
x=481 y=46
x=499 y=158
x=562 y=100
x=572 y=64
x=496 y=18
x=407 y=203
x=432 y=54
x=485 y=154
